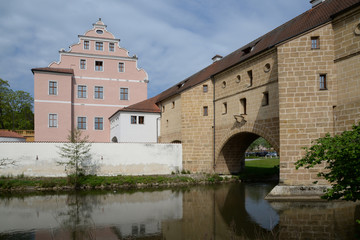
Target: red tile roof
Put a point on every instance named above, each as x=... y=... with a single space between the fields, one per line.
x=55 y=70
x=310 y=19
x=9 y=134
x=148 y=105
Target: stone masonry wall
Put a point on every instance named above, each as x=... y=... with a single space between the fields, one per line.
x=197 y=131
x=306 y=111
x=261 y=118
x=171 y=120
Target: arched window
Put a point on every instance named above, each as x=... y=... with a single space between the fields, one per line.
x=114 y=139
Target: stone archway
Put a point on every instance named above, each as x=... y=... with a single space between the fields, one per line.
x=230 y=153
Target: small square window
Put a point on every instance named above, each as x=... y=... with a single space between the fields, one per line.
x=52 y=120
x=124 y=94
x=52 y=88
x=315 y=42
x=322 y=81
x=99 y=46
x=121 y=67
x=82 y=64
x=81 y=122
x=98 y=66
x=205 y=111
x=99 y=123
x=141 y=119
x=205 y=88
x=133 y=119
x=86 y=45
x=111 y=47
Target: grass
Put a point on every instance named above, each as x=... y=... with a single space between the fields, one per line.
x=104 y=182
x=260 y=169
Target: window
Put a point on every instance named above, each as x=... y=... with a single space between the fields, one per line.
x=173 y=104
x=52 y=88
x=243 y=106
x=205 y=88
x=141 y=119
x=121 y=67
x=99 y=92
x=224 y=108
x=322 y=81
x=163 y=109
x=223 y=85
x=52 y=120
x=250 y=74
x=82 y=64
x=133 y=119
x=124 y=94
x=265 y=100
x=81 y=91
x=111 y=47
x=81 y=122
x=98 y=66
x=86 y=45
x=315 y=43
x=99 y=123
x=99 y=46
x=205 y=111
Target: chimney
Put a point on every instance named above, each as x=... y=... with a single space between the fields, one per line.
x=316 y=2
x=217 y=58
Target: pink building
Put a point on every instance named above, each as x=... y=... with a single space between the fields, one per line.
x=91 y=81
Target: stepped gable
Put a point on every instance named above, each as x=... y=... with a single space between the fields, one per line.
x=310 y=19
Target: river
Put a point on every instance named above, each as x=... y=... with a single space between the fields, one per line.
x=227 y=211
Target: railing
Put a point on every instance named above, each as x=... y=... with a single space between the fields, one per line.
x=27 y=134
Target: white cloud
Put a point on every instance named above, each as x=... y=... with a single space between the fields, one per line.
x=173 y=39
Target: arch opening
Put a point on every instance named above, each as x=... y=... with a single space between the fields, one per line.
x=231 y=158
x=176 y=141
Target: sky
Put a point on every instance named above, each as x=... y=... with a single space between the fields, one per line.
x=173 y=39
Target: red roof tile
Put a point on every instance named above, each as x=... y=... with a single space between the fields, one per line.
x=9 y=134
x=148 y=105
x=310 y=19
x=55 y=70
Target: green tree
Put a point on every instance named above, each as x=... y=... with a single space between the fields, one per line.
x=257 y=143
x=341 y=153
x=76 y=154
x=15 y=108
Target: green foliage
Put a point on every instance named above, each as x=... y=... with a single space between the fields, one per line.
x=214 y=178
x=341 y=154
x=77 y=156
x=257 y=143
x=15 y=108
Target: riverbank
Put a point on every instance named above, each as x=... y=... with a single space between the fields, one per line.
x=23 y=183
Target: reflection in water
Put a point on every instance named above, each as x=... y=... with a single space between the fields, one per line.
x=231 y=211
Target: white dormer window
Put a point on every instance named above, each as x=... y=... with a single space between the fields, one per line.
x=111 y=47
x=121 y=67
x=86 y=45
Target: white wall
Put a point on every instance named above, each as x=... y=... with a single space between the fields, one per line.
x=12 y=139
x=39 y=159
x=122 y=128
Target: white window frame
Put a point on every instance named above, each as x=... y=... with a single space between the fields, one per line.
x=131 y=118
x=143 y=117
x=102 y=124
x=122 y=68
x=86 y=92
x=77 y=123
x=57 y=88
x=102 y=46
x=84 y=45
x=102 y=92
x=101 y=66
x=128 y=94
x=85 y=64
x=57 y=120
x=113 y=47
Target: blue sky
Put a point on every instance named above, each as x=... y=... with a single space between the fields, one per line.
x=172 y=38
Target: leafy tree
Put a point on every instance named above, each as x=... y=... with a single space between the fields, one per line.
x=77 y=154
x=341 y=153
x=257 y=143
x=15 y=108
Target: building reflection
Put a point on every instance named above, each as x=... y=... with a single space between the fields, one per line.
x=232 y=211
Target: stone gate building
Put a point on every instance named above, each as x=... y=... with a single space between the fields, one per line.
x=290 y=86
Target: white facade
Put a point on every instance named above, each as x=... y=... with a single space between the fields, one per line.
x=12 y=139
x=127 y=126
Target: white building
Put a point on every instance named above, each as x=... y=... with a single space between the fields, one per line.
x=136 y=123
